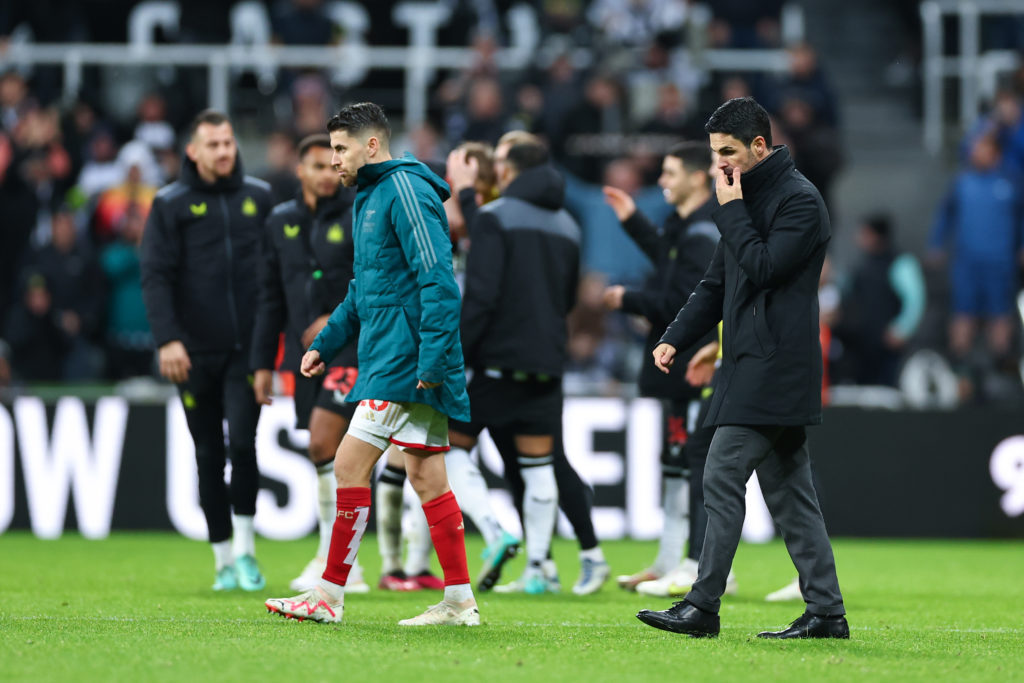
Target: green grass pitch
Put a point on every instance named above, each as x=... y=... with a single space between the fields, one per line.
x=137 y=607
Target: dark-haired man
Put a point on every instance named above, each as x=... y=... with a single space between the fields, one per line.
x=199 y=252
x=680 y=252
x=763 y=285
x=521 y=278
x=307 y=265
x=404 y=303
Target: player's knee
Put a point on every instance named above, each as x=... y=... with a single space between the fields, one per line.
x=460 y=440
x=321 y=450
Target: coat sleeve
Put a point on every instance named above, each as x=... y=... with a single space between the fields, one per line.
x=161 y=256
x=340 y=328
x=484 y=271
x=792 y=237
x=646 y=236
x=422 y=231
x=703 y=310
x=271 y=307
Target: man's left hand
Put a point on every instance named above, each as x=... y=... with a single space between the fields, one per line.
x=726 y=192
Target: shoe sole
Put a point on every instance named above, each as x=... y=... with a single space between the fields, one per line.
x=295 y=617
x=668 y=627
x=492 y=575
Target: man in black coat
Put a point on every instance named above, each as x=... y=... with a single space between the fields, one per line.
x=762 y=284
x=200 y=257
x=680 y=251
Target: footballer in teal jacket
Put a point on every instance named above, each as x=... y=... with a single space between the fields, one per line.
x=403 y=300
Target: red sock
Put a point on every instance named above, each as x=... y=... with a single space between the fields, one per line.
x=349 y=525
x=449 y=536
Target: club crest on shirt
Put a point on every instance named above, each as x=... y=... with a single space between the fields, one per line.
x=249 y=207
x=291 y=231
x=198 y=209
x=335 y=234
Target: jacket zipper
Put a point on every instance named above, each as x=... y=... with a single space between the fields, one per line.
x=231 y=269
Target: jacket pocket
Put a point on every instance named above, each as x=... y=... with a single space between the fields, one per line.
x=762 y=331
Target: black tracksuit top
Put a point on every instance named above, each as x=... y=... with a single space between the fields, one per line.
x=681 y=251
x=521 y=278
x=763 y=284
x=200 y=260
x=306 y=271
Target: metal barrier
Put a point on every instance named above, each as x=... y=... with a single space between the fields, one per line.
x=977 y=72
x=350 y=61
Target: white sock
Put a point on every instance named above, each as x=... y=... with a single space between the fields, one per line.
x=595 y=554
x=676 y=530
x=470 y=491
x=326 y=504
x=540 y=506
x=389 y=524
x=417 y=558
x=335 y=592
x=244 y=539
x=458 y=594
x=222 y=556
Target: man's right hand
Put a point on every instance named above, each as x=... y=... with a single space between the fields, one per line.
x=664 y=356
x=174 y=362
x=311 y=364
x=622 y=204
x=701 y=367
x=263 y=386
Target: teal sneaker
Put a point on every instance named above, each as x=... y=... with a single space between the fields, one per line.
x=535 y=584
x=249 y=576
x=226 y=579
x=495 y=556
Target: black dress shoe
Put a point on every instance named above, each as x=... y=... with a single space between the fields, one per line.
x=682 y=617
x=812 y=626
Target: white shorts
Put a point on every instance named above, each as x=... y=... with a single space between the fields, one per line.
x=407 y=425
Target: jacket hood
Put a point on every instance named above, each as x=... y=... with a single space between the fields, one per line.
x=768 y=170
x=190 y=176
x=541 y=186
x=371 y=174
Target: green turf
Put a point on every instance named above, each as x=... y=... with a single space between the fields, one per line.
x=138 y=607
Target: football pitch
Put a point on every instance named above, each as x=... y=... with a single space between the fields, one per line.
x=138 y=607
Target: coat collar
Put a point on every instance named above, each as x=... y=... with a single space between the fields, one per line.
x=767 y=171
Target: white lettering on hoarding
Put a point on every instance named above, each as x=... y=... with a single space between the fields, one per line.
x=71 y=460
x=1007 y=469
x=6 y=469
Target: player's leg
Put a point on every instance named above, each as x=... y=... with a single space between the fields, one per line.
x=359 y=451
x=540 y=504
x=390 y=490
x=243 y=413
x=204 y=413
x=424 y=439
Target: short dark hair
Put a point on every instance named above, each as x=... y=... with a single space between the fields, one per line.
x=743 y=118
x=526 y=156
x=210 y=116
x=318 y=140
x=360 y=117
x=696 y=156
x=880 y=224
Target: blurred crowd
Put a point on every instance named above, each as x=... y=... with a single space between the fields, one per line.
x=77 y=177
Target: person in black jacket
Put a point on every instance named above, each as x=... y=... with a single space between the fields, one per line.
x=763 y=285
x=200 y=251
x=681 y=252
x=521 y=278
x=307 y=267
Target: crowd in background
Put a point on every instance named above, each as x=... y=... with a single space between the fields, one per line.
x=77 y=177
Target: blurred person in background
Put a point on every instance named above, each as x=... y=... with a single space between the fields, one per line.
x=743 y=24
x=100 y=169
x=140 y=175
x=815 y=146
x=129 y=342
x=34 y=331
x=881 y=306
x=680 y=251
x=200 y=251
x=279 y=166
x=74 y=281
x=979 y=231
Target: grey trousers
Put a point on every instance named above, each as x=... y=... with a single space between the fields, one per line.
x=782 y=461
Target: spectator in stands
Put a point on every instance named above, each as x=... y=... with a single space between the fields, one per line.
x=588 y=129
x=1005 y=122
x=979 y=225
x=815 y=146
x=745 y=24
x=634 y=23
x=279 y=169
x=14 y=99
x=302 y=22
x=38 y=343
x=140 y=179
x=880 y=307
x=128 y=340
x=310 y=104
x=100 y=170
x=485 y=108
x=807 y=81
x=19 y=204
x=74 y=284
x=674 y=115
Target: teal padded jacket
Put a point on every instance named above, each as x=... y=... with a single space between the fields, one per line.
x=403 y=299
